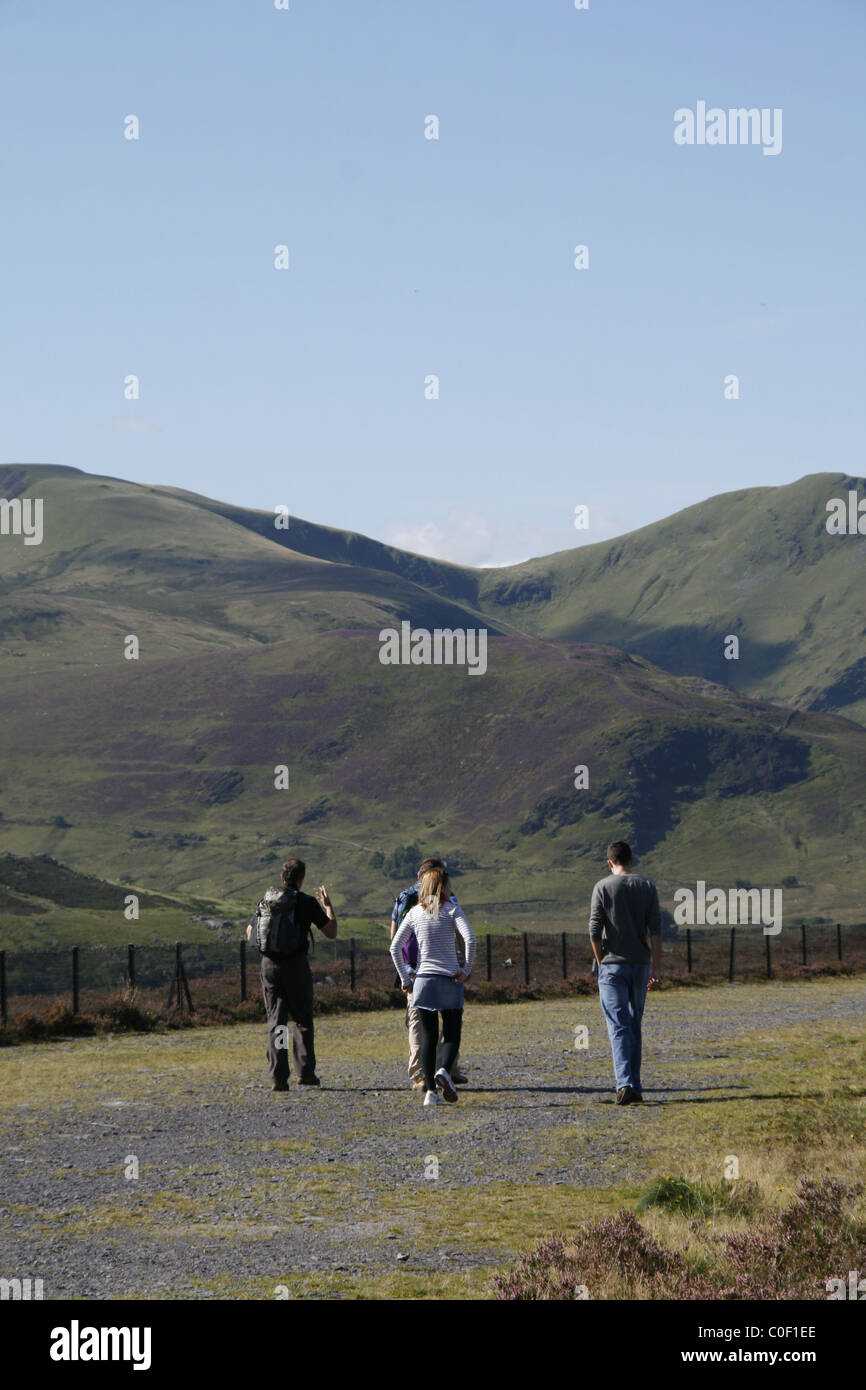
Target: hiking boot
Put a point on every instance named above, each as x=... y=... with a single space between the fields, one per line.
x=637 y=1098
x=625 y=1095
x=309 y=1081
x=419 y=1085
x=433 y=1098
x=445 y=1085
x=280 y=1086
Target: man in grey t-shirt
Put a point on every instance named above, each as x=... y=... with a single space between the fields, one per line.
x=626 y=936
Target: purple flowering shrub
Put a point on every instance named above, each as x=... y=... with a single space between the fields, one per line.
x=614 y=1248
x=789 y=1254
x=798 y=1249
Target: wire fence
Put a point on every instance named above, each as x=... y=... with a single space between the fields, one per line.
x=86 y=976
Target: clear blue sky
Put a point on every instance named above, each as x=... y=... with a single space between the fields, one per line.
x=411 y=256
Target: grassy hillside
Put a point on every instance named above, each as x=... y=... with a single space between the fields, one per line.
x=45 y=903
x=160 y=771
x=758 y=564
x=118 y=558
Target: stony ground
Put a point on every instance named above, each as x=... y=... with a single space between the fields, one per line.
x=163 y=1166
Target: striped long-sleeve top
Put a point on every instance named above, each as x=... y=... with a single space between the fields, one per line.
x=437 y=949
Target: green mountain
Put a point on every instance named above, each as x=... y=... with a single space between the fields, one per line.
x=46 y=904
x=39 y=880
x=259 y=649
x=757 y=564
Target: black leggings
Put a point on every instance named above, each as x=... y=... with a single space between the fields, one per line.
x=452 y=1023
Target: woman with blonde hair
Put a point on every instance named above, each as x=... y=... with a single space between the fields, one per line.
x=438 y=983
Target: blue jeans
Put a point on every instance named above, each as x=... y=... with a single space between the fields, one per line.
x=622 y=990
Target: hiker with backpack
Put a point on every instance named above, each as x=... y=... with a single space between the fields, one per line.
x=436 y=988
x=282 y=928
x=404 y=902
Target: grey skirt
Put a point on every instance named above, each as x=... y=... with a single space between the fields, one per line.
x=437 y=992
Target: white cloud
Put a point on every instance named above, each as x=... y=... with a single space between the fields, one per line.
x=468 y=538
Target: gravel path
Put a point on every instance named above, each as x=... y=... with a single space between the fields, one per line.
x=238 y=1187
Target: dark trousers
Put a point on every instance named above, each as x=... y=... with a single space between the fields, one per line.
x=452 y=1023
x=288 y=994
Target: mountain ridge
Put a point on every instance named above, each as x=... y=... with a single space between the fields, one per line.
x=254 y=655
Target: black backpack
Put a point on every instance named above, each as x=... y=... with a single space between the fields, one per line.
x=278 y=932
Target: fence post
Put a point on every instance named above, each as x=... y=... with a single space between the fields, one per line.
x=803 y=940
x=731 y=960
x=184 y=979
x=130 y=967
x=489 y=959
x=839 y=940
x=689 y=949
x=3 y=988
x=75 y=990
x=243 y=953
x=351 y=962
x=176 y=991
x=526 y=957
x=564 y=957
x=179 y=984
x=769 y=965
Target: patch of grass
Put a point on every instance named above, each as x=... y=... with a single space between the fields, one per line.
x=498 y=1216
x=404 y=1282
x=699 y=1199
x=131 y=1209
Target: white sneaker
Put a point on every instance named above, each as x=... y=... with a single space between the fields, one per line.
x=445 y=1084
x=432 y=1098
